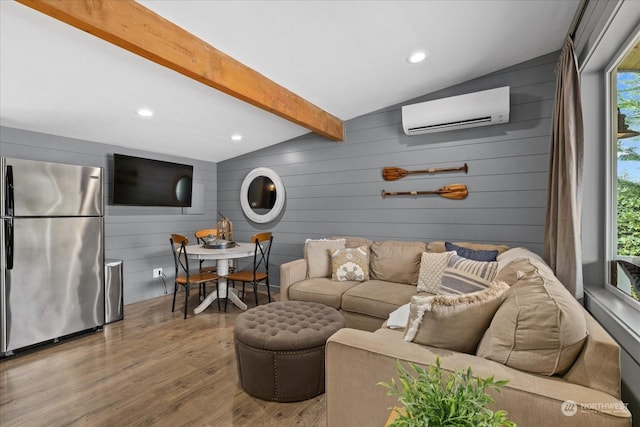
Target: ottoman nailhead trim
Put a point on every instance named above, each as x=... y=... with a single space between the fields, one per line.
x=276 y=353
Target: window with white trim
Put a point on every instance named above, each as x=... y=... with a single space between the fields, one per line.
x=625 y=171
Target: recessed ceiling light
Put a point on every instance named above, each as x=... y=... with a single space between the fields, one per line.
x=145 y=112
x=236 y=137
x=417 y=57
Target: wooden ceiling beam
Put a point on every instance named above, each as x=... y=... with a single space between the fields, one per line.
x=137 y=29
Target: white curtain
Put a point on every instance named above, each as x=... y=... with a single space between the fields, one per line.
x=562 y=241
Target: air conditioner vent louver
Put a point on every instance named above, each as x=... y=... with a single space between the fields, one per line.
x=444 y=126
x=483 y=108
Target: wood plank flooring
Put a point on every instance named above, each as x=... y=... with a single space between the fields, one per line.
x=151 y=369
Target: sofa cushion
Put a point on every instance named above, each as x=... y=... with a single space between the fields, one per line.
x=438 y=246
x=397 y=262
x=539 y=328
x=377 y=298
x=316 y=252
x=454 y=322
x=322 y=290
x=350 y=264
x=432 y=265
x=474 y=254
x=353 y=241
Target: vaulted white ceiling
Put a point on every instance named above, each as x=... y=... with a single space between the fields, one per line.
x=347 y=57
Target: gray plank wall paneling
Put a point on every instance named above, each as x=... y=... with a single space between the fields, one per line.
x=137 y=235
x=334 y=189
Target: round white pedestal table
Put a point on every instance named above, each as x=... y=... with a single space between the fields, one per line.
x=222 y=257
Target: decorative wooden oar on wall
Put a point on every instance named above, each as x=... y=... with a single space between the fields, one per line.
x=452 y=191
x=391 y=173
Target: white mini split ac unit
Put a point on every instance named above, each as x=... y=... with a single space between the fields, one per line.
x=487 y=107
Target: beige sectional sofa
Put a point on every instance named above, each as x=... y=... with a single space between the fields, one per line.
x=554 y=378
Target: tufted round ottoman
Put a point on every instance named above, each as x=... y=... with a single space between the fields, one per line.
x=280 y=349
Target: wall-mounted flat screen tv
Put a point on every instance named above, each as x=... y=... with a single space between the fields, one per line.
x=145 y=182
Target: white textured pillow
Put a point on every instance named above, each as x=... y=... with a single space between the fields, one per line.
x=432 y=265
x=316 y=252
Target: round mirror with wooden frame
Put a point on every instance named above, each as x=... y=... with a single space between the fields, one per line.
x=262 y=195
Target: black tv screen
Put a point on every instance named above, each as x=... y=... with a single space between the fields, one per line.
x=146 y=182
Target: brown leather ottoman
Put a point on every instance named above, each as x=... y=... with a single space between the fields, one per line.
x=280 y=349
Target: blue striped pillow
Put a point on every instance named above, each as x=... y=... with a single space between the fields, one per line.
x=464 y=275
x=456 y=281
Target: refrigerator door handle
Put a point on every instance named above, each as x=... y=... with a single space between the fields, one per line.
x=8 y=182
x=8 y=243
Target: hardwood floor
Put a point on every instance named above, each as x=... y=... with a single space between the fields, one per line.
x=152 y=368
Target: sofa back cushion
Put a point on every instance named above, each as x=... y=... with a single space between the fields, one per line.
x=398 y=262
x=354 y=241
x=539 y=328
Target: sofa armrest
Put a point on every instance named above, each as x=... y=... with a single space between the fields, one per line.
x=290 y=273
x=598 y=364
x=357 y=360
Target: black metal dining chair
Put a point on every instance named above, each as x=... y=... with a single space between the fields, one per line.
x=182 y=274
x=260 y=271
x=201 y=235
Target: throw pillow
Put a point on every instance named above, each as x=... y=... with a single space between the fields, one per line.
x=432 y=265
x=350 y=264
x=454 y=322
x=438 y=246
x=477 y=255
x=316 y=252
x=464 y=275
x=455 y=282
x=539 y=328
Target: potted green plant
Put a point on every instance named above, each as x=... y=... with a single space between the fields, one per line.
x=430 y=401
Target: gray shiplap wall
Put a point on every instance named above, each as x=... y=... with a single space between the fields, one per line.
x=137 y=235
x=334 y=189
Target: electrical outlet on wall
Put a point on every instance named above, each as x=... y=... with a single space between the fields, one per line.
x=157 y=272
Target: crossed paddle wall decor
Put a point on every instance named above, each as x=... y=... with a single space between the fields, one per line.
x=451 y=191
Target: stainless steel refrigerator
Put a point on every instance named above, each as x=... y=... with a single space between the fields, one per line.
x=52 y=252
